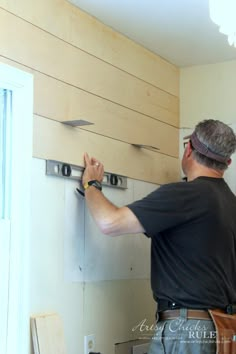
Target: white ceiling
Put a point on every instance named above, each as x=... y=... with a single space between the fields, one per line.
x=178 y=30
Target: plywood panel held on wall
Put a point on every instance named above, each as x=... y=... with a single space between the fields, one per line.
x=85 y=32
x=55 y=141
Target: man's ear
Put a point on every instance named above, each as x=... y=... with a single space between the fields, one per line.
x=188 y=149
x=229 y=162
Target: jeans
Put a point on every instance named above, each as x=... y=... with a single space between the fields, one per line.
x=184 y=336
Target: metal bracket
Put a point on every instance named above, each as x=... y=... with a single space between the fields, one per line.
x=66 y=170
x=147 y=147
x=77 y=123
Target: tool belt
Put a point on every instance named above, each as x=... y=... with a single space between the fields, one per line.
x=225 y=324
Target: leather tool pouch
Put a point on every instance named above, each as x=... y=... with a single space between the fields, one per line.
x=225 y=331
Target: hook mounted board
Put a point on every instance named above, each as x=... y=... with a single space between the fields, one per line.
x=147 y=147
x=66 y=170
x=77 y=123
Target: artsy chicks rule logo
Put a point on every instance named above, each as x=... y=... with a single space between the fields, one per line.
x=176 y=329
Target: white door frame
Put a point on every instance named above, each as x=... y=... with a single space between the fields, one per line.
x=21 y=85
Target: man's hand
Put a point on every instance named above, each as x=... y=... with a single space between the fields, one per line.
x=110 y=219
x=94 y=170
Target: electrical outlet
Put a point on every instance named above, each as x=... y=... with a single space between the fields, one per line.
x=89 y=343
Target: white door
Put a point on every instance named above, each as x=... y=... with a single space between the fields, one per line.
x=16 y=113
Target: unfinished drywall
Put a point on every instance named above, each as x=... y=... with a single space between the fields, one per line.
x=89 y=255
x=92 y=256
x=83 y=275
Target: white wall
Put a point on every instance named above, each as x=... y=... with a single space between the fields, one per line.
x=208 y=91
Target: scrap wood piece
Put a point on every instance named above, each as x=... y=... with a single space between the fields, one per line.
x=47 y=334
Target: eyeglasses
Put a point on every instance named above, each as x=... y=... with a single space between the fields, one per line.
x=186 y=143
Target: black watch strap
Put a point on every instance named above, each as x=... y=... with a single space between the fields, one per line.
x=93 y=183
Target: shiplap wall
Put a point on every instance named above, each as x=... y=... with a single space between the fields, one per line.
x=84 y=70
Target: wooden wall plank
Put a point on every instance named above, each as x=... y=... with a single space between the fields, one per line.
x=85 y=32
x=59 y=101
x=39 y=50
x=45 y=86
x=53 y=140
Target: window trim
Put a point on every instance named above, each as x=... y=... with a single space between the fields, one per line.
x=21 y=85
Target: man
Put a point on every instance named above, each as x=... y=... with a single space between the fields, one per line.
x=193 y=232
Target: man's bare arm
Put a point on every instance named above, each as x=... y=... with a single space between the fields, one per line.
x=111 y=219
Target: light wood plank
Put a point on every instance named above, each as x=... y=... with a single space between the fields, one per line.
x=64 y=20
x=53 y=140
x=68 y=103
x=39 y=50
x=48 y=334
x=34 y=336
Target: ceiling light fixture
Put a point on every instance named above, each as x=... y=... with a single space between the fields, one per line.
x=222 y=12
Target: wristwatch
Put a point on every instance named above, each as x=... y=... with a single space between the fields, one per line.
x=94 y=183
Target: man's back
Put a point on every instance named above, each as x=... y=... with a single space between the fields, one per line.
x=193 y=231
